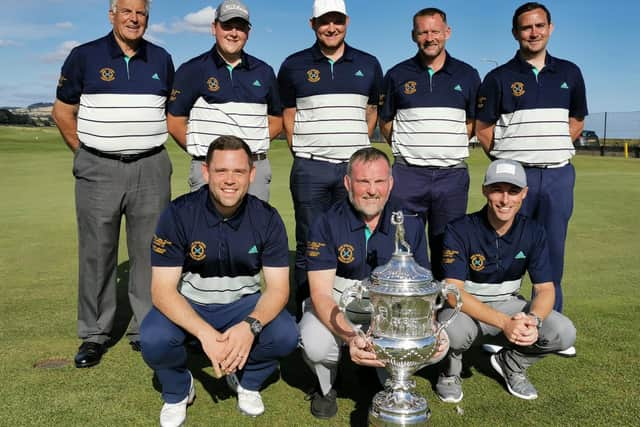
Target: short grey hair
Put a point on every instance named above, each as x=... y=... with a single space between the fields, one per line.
x=113 y=6
x=366 y=155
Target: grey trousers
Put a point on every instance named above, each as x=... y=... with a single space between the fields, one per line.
x=105 y=191
x=557 y=333
x=259 y=187
x=322 y=349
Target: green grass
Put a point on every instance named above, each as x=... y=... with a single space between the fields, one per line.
x=38 y=268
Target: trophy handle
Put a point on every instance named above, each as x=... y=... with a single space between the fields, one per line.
x=349 y=294
x=447 y=289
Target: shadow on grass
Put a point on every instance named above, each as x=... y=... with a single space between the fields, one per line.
x=475 y=357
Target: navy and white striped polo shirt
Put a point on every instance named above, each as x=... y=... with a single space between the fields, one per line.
x=531 y=109
x=221 y=100
x=122 y=100
x=331 y=101
x=430 y=110
x=339 y=240
x=490 y=265
x=220 y=258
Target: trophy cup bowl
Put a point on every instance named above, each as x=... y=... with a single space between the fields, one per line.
x=403 y=333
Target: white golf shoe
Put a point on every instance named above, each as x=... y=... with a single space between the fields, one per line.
x=249 y=402
x=175 y=414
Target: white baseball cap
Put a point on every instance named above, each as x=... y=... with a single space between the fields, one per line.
x=320 y=7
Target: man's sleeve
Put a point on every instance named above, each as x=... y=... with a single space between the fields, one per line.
x=171 y=72
x=387 y=109
x=539 y=266
x=169 y=241
x=70 y=83
x=578 y=108
x=454 y=255
x=489 y=99
x=472 y=100
x=276 y=246
x=286 y=87
x=376 y=85
x=185 y=90
x=321 y=248
x=274 y=105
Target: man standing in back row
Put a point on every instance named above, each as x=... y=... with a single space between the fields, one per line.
x=110 y=110
x=427 y=116
x=225 y=91
x=530 y=110
x=330 y=93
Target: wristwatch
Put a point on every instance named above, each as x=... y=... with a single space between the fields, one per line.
x=256 y=326
x=538 y=319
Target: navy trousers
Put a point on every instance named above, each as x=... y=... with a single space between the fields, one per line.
x=550 y=202
x=438 y=196
x=315 y=186
x=163 y=348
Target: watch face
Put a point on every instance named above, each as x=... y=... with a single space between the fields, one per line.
x=256 y=327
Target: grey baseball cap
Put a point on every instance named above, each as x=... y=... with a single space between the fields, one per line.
x=508 y=171
x=230 y=9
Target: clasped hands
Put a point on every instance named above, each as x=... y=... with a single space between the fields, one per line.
x=521 y=329
x=228 y=351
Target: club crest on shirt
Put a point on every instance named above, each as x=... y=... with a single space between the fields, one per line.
x=212 y=84
x=174 y=95
x=410 y=87
x=481 y=102
x=158 y=244
x=477 y=262
x=345 y=253
x=449 y=256
x=313 y=248
x=517 y=88
x=313 y=75
x=107 y=74
x=197 y=251
x=61 y=80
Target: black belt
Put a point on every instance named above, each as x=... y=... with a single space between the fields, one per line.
x=400 y=160
x=254 y=156
x=547 y=166
x=125 y=158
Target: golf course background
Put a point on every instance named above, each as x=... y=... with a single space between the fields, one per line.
x=38 y=273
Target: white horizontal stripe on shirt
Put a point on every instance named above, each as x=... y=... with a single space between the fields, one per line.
x=245 y=120
x=217 y=290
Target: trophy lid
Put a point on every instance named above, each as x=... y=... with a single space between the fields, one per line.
x=402 y=275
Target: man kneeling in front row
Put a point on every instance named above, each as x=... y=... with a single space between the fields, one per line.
x=486 y=254
x=207 y=253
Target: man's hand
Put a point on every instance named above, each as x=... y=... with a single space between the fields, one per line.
x=215 y=348
x=359 y=349
x=238 y=340
x=521 y=330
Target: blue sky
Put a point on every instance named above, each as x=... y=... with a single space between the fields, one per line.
x=601 y=37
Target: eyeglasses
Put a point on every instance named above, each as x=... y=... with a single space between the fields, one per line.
x=128 y=13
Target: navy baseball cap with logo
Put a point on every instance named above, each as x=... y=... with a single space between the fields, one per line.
x=230 y=9
x=508 y=171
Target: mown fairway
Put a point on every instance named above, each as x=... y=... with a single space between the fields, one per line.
x=38 y=269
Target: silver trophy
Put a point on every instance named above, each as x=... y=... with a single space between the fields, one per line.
x=404 y=298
